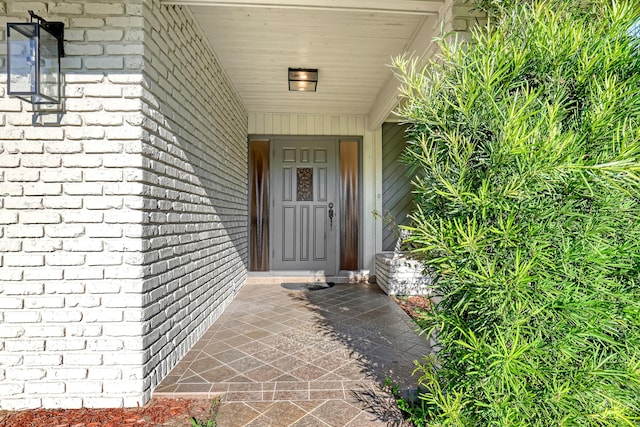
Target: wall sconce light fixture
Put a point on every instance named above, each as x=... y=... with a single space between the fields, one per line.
x=34 y=50
x=303 y=79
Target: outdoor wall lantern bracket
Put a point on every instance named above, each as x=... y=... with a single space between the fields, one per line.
x=303 y=79
x=34 y=50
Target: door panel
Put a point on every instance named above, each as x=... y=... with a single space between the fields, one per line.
x=304 y=174
x=304 y=233
x=288 y=228
x=320 y=230
x=287 y=180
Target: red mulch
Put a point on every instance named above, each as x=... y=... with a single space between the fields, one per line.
x=413 y=305
x=159 y=412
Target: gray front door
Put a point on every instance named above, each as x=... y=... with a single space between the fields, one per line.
x=304 y=222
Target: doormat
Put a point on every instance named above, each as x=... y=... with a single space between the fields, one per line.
x=311 y=286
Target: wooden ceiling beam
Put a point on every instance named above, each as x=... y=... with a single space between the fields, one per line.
x=421 y=7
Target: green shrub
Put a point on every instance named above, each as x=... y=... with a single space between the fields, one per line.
x=525 y=150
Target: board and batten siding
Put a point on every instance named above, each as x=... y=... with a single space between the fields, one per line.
x=343 y=126
x=396 y=184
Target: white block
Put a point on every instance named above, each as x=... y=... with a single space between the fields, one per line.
x=8 y=331
x=85 y=132
x=103 y=402
x=62 y=402
x=40 y=217
x=67 y=373
x=44 y=302
x=42 y=245
x=47 y=274
x=106 y=373
x=22 y=317
x=104 y=63
x=46 y=133
x=42 y=359
x=44 y=331
x=19 y=373
x=104 y=9
x=65 y=231
x=23 y=289
x=82 y=359
x=35 y=388
x=32 y=260
x=84 y=273
x=21 y=404
x=61 y=316
x=40 y=189
x=84 y=388
x=21 y=175
x=66 y=344
x=86 y=23
x=64 y=147
x=66 y=288
x=65 y=259
x=11 y=389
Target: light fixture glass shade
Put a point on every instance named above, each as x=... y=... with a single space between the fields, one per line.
x=303 y=79
x=33 y=63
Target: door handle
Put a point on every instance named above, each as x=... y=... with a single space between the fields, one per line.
x=330 y=216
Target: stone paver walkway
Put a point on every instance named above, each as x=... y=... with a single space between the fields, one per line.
x=303 y=358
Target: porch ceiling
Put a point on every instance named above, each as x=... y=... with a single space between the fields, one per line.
x=351 y=42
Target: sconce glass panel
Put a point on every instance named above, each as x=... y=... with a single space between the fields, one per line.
x=49 y=66
x=22 y=58
x=33 y=65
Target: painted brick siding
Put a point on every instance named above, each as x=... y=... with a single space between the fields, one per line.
x=196 y=186
x=122 y=229
x=71 y=209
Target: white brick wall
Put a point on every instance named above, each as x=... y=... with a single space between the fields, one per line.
x=197 y=178
x=123 y=228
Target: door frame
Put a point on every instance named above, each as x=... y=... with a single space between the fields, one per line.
x=337 y=139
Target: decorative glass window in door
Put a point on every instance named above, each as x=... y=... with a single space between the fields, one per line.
x=305 y=185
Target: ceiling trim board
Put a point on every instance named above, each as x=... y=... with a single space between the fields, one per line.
x=419 y=7
x=420 y=47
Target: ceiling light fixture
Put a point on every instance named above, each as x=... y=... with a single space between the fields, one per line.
x=303 y=79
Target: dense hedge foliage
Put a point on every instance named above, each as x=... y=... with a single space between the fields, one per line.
x=526 y=154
